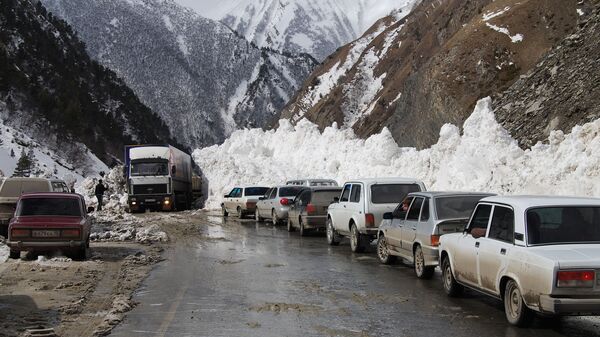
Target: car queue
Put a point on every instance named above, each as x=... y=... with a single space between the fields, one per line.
x=535 y=254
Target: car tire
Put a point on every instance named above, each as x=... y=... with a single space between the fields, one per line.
x=357 y=240
x=333 y=238
x=224 y=210
x=290 y=225
x=257 y=216
x=274 y=218
x=517 y=312
x=422 y=271
x=240 y=213
x=14 y=254
x=383 y=252
x=303 y=231
x=451 y=287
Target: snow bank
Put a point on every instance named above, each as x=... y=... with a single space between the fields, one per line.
x=4 y=251
x=483 y=158
x=115 y=197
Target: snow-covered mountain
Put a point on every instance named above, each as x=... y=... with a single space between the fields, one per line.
x=203 y=79
x=317 y=27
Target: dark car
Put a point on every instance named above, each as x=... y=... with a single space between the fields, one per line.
x=309 y=209
x=48 y=222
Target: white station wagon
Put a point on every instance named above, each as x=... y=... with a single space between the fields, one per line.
x=537 y=254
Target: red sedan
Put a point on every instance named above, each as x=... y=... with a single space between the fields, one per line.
x=47 y=222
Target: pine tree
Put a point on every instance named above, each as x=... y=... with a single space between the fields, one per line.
x=12 y=153
x=24 y=165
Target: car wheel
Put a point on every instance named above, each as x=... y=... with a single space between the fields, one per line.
x=14 y=254
x=257 y=216
x=240 y=213
x=224 y=210
x=290 y=225
x=517 y=312
x=422 y=271
x=356 y=240
x=274 y=218
x=81 y=254
x=333 y=238
x=303 y=231
x=451 y=287
x=383 y=252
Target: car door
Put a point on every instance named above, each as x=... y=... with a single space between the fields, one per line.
x=298 y=206
x=261 y=204
x=356 y=204
x=467 y=248
x=409 y=229
x=394 y=233
x=495 y=249
x=340 y=216
x=271 y=202
x=227 y=199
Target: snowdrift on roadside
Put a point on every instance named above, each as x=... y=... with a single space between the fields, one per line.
x=483 y=158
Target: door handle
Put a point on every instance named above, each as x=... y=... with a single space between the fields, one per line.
x=477 y=244
x=503 y=251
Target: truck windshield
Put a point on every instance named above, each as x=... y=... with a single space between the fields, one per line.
x=458 y=207
x=563 y=225
x=255 y=191
x=391 y=193
x=49 y=207
x=149 y=169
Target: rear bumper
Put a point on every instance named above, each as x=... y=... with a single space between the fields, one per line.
x=431 y=255
x=314 y=221
x=282 y=212
x=570 y=306
x=371 y=231
x=41 y=245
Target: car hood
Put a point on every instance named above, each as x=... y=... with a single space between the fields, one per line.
x=571 y=256
x=35 y=221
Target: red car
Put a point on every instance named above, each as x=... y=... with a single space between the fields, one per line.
x=45 y=222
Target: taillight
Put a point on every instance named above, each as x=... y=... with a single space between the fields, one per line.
x=575 y=279
x=284 y=201
x=369 y=220
x=70 y=233
x=310 y=208
x=19 y=233
x=435 y=240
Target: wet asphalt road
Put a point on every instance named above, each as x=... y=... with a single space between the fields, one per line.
x=249 y=279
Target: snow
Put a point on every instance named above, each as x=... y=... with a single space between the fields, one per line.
x=482 y=158
x=514 y=38
x=168 y=23
x=4 y=251
x=183 y=47
x=490 y=15
x=114 y=22
x=580 y=12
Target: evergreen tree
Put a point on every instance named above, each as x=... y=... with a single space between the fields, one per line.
x=24 y=166
x=12 y=153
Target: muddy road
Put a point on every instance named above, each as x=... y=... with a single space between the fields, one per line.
x=239 y=278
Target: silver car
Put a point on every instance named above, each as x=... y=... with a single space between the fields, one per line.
x=275 y=204
x=412 y=232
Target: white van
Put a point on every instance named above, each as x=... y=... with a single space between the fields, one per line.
x=359 y=210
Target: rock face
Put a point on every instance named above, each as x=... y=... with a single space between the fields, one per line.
x=203 y=79
x=562 y=91
x=416 y=73
x=54 y=93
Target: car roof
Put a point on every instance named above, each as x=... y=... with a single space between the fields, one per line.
x=324 y=188
x=51 y=195
x=400 y=180
x=528 y=201
x=311 y=180
x=26 y=179
x=435 y=194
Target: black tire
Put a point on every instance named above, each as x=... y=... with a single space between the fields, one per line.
x=517 y=312
x=81 y=254
x=240 y=213
x=274 y=218
x=14 y=254
x=357 y=240
x=333 y=239
x=290 y=225
x=224 y=210
x=303 y=231
x=257 y=216
x=383 y=252
x=422 y=271
x=451 y=287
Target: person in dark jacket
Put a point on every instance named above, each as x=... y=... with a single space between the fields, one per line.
x=100 y=189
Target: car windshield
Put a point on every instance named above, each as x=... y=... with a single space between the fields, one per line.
x=49 y=207
x=457 y=207
x=256 y=191
x=149 y=169
x=290 y=191
x=324 y=197
x=563 y=225
x=391 y=193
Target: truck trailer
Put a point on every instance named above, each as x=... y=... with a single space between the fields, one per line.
x=159 y=178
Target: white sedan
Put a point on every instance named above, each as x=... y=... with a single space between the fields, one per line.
x=537 y=254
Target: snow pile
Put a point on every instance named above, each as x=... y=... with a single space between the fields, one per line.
x=483 y=158
x=115 y=197
x=4 y=251
x=125 y=227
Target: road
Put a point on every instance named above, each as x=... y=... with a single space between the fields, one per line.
x=240 y=278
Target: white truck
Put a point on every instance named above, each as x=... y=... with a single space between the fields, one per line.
x=158 y=178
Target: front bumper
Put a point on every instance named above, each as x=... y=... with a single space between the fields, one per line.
x=41 y=245
x=570 y=306
x=156 y=202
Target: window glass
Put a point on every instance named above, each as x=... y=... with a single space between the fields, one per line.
x=273 y=193
x=481 y=217
x=391 y=193
x=345 y=193
x=290 y=191
x=149 y=169
x=355 y=195
x=49 y=207
x=563 y=225
x=502 y=226
x=425 y=210
x=402 y=208
x=415 y=209
x=304 y=197
x=324 y=197
x=457 y=207
x=255 y=191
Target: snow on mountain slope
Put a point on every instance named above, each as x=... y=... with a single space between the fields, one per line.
x=204 y=80
x=317 y=27
x=483 y=157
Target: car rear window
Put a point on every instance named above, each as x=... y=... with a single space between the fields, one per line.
x=458 y=207
x=49 y=207
x=391 y=193
x=324 y=197
x=291 y=191
x=254 y=191
x=11 y=189
x=563 y=225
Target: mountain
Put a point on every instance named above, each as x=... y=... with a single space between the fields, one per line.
x=203 y=79
x=316 y=27
x=415 y=74
x=54 y=97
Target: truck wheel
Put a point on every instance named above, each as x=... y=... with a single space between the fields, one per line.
x=333 y=239
x=383 y=252
x=224 y=210
x=81 y=254
x=517 y=312
x=452 y=288
x=14 y=254
x=357 y=240
x=422 y=271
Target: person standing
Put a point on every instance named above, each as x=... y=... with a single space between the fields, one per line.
x=100 y=189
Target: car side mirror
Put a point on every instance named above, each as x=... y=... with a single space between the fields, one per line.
x=226 y=196
x=336 y=200
x=90 y=210
x=388 y=216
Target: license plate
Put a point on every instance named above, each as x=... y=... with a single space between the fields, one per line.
x=45 y=233
x=150 y=200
